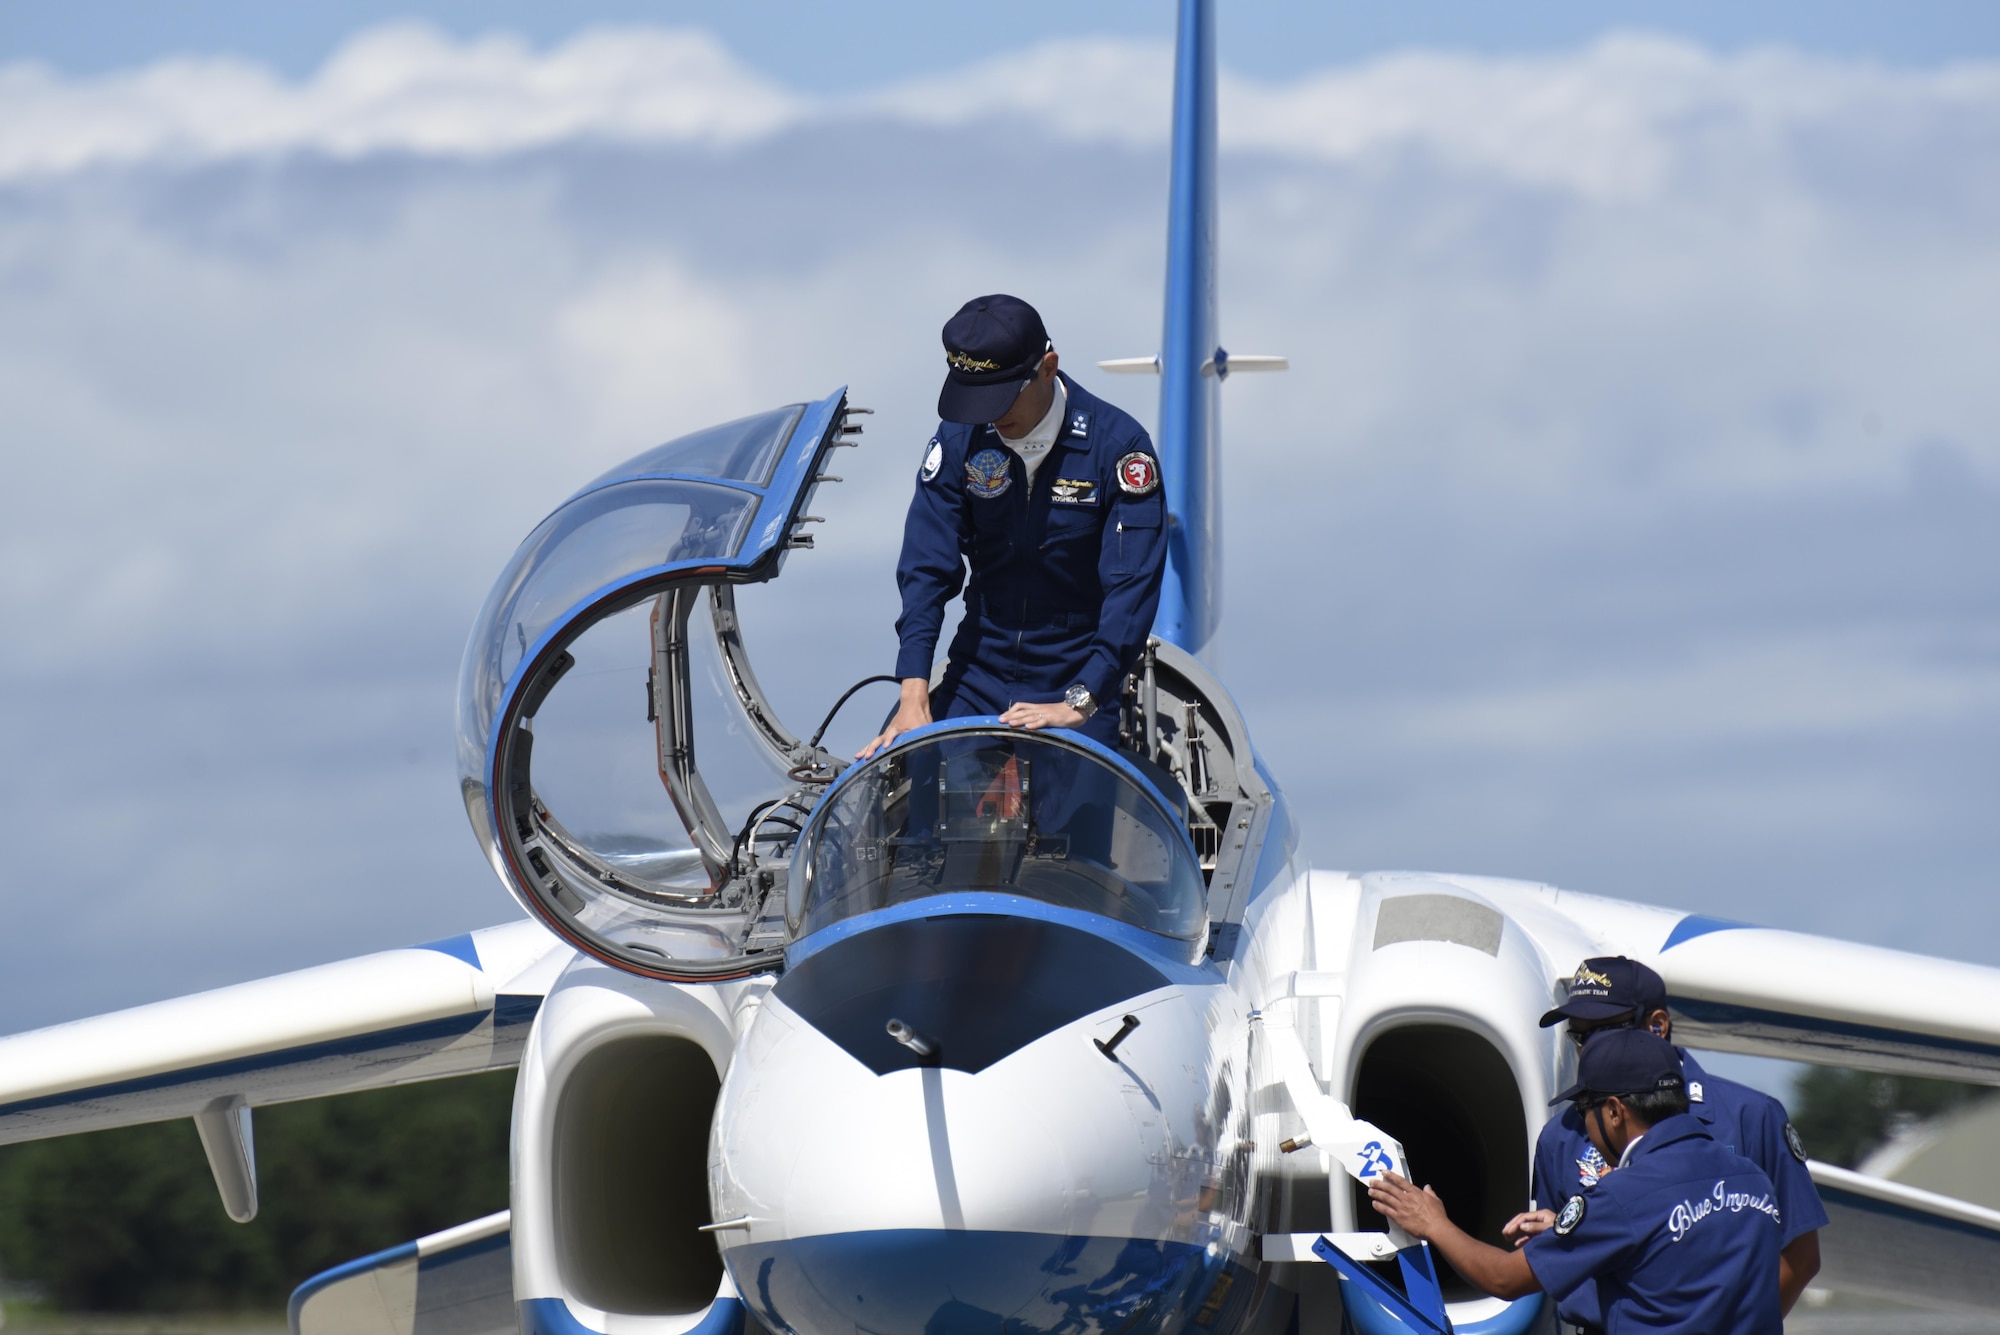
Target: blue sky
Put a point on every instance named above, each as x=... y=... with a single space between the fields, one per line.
x=1627 y=522
x=840 y=47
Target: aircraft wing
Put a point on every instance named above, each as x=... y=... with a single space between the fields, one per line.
x=1767 y=992
x=451 y=1007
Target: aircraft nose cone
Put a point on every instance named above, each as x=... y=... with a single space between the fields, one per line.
x=1014 y=1181
x=945 y=1282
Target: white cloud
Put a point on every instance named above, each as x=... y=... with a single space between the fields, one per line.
x=1627 y=117
x=405 y=88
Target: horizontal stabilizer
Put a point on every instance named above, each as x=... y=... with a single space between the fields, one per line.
x=1229 y=363
x=457 y=1282
x=449 y=1008
x=1891 y=1241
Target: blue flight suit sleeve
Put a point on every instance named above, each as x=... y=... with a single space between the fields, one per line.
x=931 y=570
x=1568 y=1265
x=1799 y=1207
x=1130 y=566
x=1548 y=1188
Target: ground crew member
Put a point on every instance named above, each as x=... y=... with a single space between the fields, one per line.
x=1615 y=992
x=1682 y=1237
x=1052 y=496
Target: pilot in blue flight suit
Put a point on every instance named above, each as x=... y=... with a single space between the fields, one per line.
x=1612 y=992
x=1052 y=497
x=1682 y=1237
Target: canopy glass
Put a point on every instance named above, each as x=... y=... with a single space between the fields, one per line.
x=997 y=809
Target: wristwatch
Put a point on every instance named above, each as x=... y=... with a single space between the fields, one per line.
x=1078 y=698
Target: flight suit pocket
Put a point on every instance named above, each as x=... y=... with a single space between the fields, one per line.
x=1068 y=524
x=1136 y=543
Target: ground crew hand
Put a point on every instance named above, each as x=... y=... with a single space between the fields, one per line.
x=1502 y=1274
x=1419 y=1213
x=1524 y=1226
x=913 y=712
x=1034 y=717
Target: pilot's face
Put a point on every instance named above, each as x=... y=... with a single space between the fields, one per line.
x=1031 y=405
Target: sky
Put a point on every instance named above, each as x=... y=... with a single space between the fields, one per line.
x=1628 y=520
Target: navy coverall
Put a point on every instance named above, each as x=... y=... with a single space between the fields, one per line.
x=1065 y=573
x=1683 y=1238
x=1741 y=1119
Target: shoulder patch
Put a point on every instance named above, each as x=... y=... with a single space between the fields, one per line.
x=987 y=475
x=1571 y=1216
x=1794 y=1144
x=933 y=459
x=1138 y=475
x=1694 y=1091
x=1079 y=424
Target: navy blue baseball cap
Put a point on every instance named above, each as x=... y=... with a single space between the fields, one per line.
x=1623 y=1061
x=1607 y=987
x=992 y=349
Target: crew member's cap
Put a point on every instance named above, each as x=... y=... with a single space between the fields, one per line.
x=992 y=348
x=1607 y=987
x=1623 y=1061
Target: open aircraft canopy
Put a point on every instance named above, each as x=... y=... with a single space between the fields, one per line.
x=708 y=511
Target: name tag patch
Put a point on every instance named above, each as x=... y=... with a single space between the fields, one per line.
x=1074 y=491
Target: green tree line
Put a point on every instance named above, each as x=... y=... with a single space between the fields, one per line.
x=1843 y=1116
x=129 y=1220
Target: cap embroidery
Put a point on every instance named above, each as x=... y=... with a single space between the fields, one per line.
x=959 y=361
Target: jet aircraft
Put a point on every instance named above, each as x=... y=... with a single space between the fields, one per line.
x=995 y=1032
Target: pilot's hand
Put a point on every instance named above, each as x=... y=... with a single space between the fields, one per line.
x=1419 y=1213
x=1032 y=717
x=913 y=712
x=1524 y=1226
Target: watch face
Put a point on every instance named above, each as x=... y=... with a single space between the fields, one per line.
x=1078 y=698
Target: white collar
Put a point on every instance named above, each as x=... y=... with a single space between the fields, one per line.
x=1630 y=1145
x=1043 y=433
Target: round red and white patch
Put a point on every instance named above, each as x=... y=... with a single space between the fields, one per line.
x=1138 y=475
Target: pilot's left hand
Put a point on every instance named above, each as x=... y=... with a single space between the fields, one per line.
x=1034 y=717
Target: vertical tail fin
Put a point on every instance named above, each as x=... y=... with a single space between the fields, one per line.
x=1192 y=365
x=1190 y=601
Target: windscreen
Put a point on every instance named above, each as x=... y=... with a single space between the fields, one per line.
x=1007 y=811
